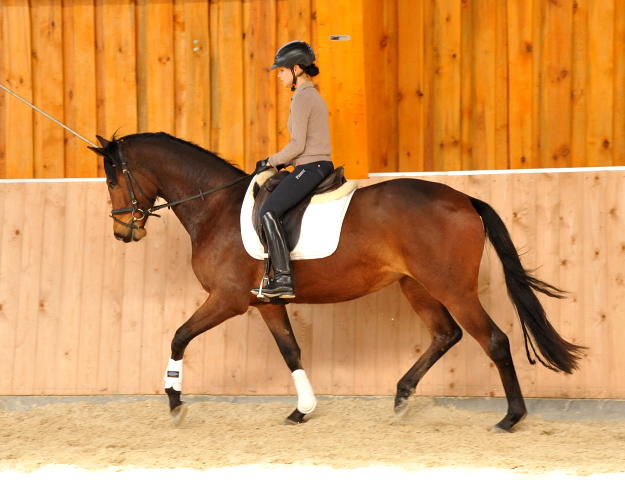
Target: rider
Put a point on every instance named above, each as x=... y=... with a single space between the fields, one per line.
x=308 y=151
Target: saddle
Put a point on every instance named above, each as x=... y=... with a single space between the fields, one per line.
x=292 y=219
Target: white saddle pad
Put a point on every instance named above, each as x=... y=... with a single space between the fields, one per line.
x=321 y=224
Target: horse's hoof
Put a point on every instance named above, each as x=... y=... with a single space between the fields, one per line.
x=295 y=418
x=288 y=422
x=179 y=413
x=400 y=411
x=498 y=429
x=507 y=423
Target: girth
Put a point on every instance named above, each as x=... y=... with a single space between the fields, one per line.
x=292 y=219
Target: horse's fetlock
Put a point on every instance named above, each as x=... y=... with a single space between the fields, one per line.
x=178 y=345
x=292 y=360
x=404 y=392
x=174 y=398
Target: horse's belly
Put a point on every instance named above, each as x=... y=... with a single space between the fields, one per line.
x=335 y=286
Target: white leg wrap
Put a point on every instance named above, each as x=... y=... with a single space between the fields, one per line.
x=306 y=401
x=173 y=375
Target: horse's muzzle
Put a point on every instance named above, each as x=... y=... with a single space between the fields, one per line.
x=126 y=234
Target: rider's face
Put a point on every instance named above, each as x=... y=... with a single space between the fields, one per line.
x=284 y=74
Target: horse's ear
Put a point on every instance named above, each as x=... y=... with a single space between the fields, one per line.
x=103 y=141
x=99 y=151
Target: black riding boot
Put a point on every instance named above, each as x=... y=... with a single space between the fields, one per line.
x=281 y=285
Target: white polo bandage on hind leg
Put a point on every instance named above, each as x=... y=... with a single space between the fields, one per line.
x=306 y=401
x=173 y=375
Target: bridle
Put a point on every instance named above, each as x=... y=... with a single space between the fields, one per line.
x=133 y=199
x=149 y=212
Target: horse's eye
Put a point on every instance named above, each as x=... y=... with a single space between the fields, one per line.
x=111 y=184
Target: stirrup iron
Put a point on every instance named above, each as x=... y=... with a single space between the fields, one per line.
x=265 y=281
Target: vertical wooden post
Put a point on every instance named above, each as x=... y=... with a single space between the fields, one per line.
x=227 y=118
x=259 y=17
x=47 y=61
x=600 y=88
x=116 y=68
x=69 y=314
x=429 y=146
x=380 y=20
x=294 y=22
x=342 y=83
x=447 y=84
x=28 y=275
x=155 y=66
x=3 y=99
x=79 y=99
x=18 y=117
x=579 y=82
x=614 y=355
x=50 y=290
x=11 y=248
x=192 y=72
x=500 y=98
x=572 y=278
x=92 y=323
x=411 y=102
x=343 y=356
x=594 y=298
x=470 y=36
x=619 y=84
x=520 y=65
x=554 y=142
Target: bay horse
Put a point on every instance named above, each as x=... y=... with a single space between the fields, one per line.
x=424 y=235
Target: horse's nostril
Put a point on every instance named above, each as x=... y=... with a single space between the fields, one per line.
x=118 y=236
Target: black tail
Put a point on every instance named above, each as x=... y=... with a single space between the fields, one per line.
x=555 y=352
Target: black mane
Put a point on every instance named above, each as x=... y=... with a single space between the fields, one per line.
x=111 y=155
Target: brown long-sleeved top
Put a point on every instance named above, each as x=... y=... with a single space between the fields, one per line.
x=309 y=126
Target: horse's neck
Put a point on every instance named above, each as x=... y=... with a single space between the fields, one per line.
x=181 y=176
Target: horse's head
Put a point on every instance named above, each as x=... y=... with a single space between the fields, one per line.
x=130 y=198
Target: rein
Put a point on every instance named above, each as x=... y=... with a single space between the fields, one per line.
x=149 y=211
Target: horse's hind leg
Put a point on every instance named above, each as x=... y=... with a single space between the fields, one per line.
x=277 y=320
x=444 y=331
x=472 y=316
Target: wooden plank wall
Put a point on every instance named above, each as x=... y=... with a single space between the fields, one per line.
x=473 y=85
x=84 y=314
x=421 y=86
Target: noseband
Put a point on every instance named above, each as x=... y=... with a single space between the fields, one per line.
x=149 y=211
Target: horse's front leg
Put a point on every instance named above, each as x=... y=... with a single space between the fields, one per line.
x=277 y=320
x=212 y=313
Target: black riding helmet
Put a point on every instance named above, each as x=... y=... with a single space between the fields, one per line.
x=294 y=53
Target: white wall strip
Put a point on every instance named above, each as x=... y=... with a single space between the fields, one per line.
x=51 y=180
x=498 y=172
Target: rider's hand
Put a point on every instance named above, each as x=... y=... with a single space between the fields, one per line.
x=262 y=165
